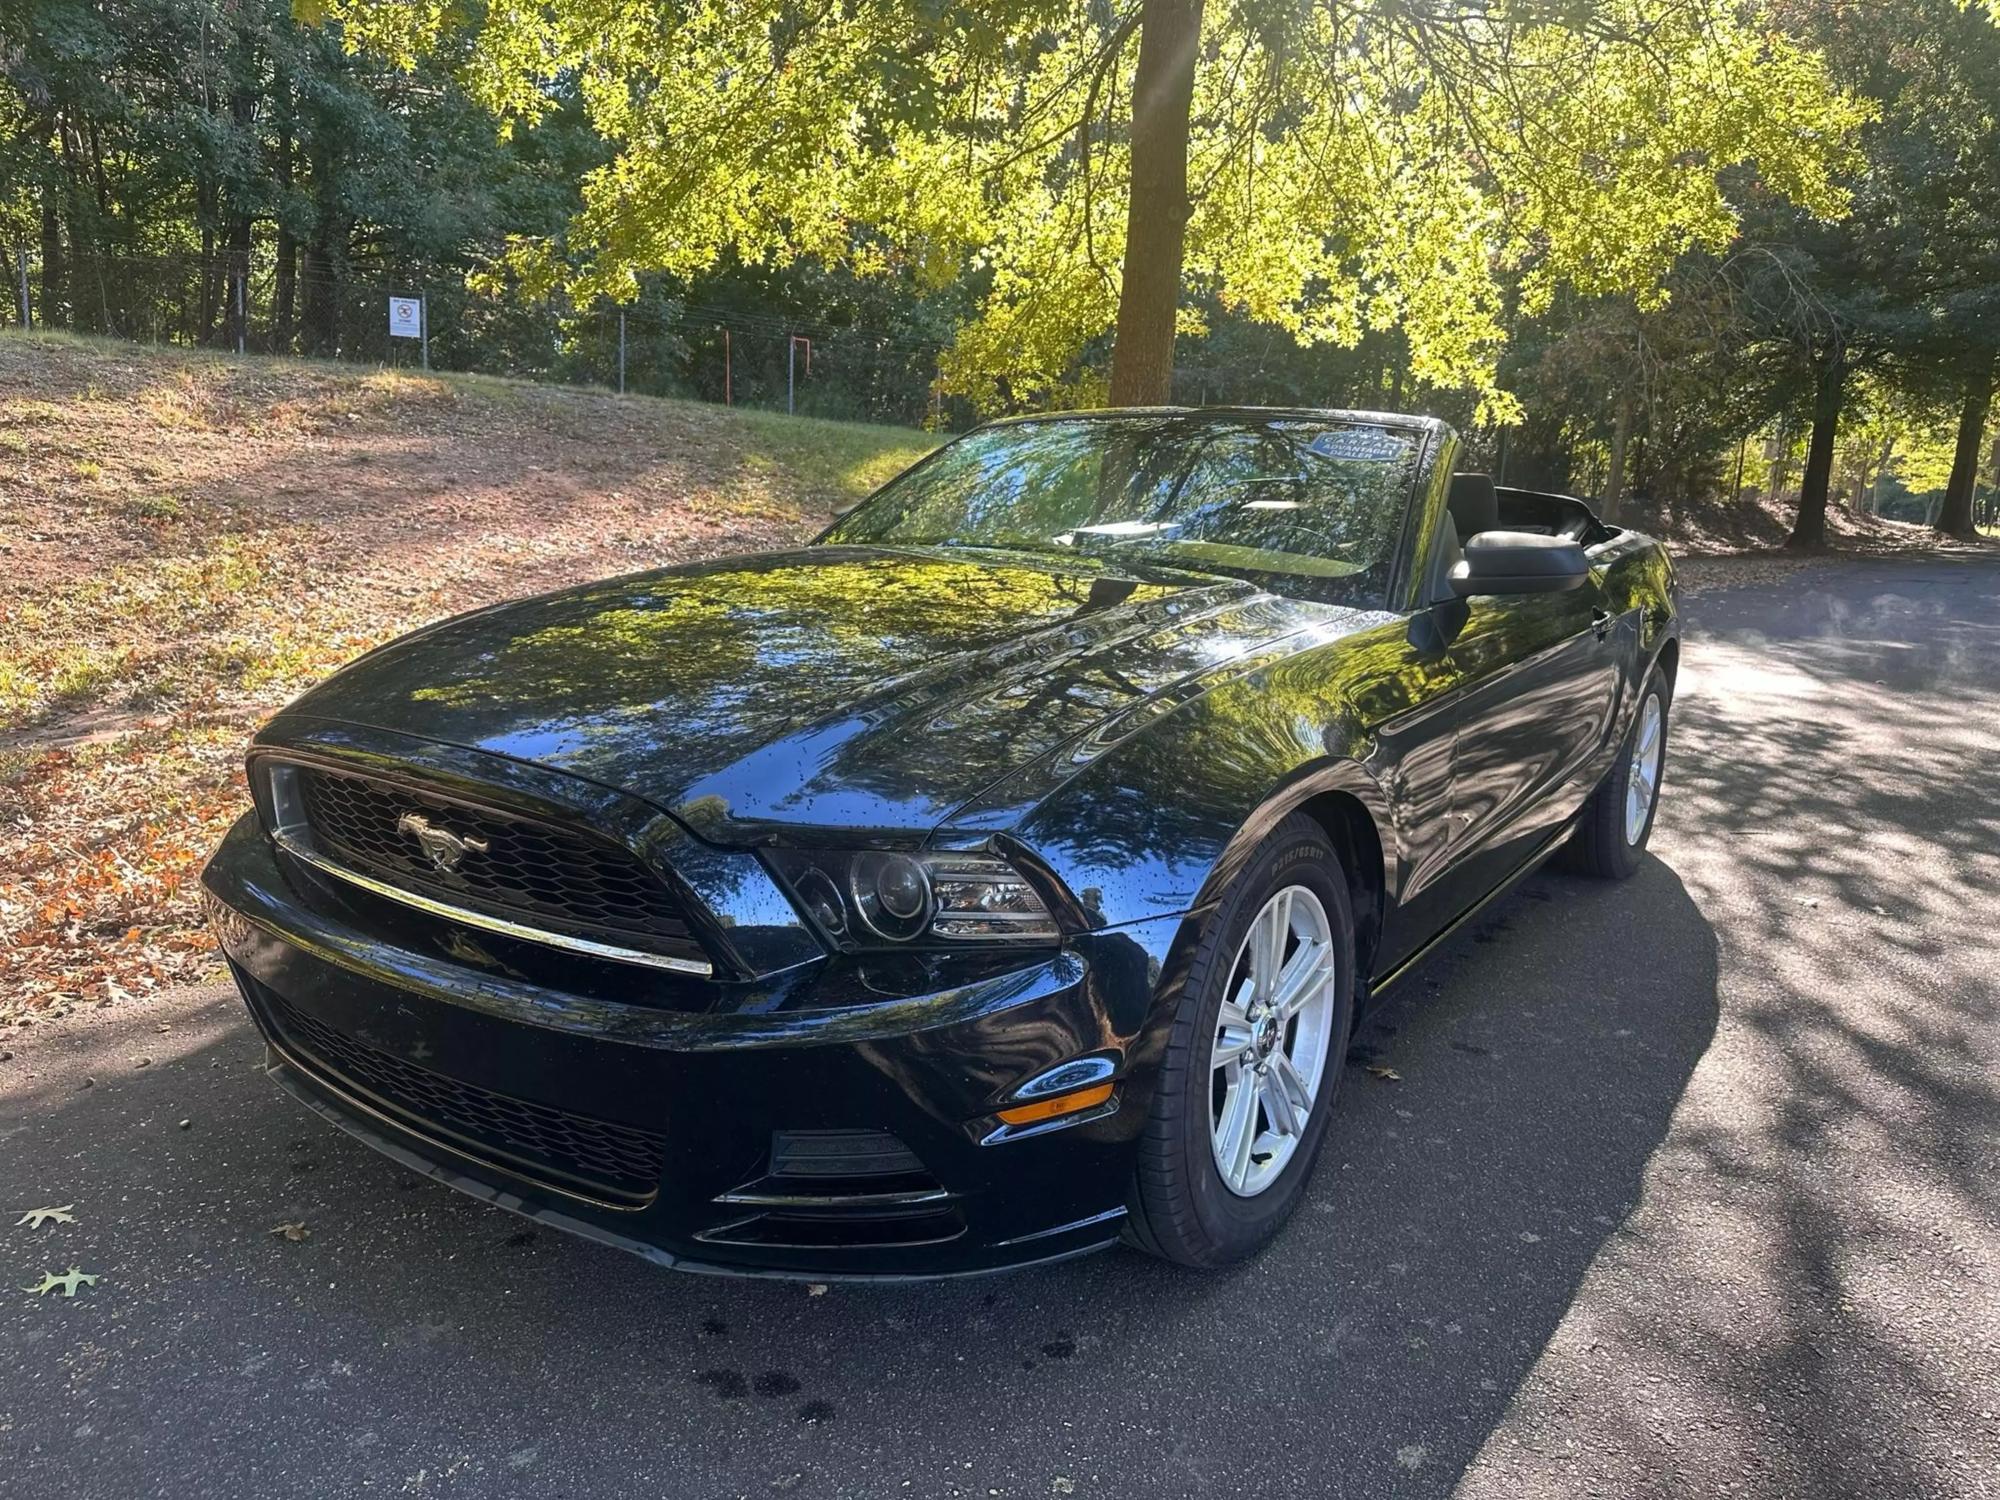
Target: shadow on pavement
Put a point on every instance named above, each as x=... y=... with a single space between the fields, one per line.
x=1817 y=1234
x=420 y=1340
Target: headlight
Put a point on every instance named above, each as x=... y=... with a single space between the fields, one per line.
x=881 y=897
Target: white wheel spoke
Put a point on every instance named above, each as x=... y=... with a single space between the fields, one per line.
x=1232 y=1033
x=1273 y=927
x=1285 y=1098
x=1642 y=776
x=1310 y=969
x=1239 y=1129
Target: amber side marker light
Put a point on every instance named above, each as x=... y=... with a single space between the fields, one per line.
x=1048 y=1109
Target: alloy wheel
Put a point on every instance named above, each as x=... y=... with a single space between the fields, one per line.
x=1642 y=782
x=1272 y=1037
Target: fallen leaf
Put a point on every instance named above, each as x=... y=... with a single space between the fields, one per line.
x=69 y=1282
x=293 y=1232
x=816 y=1289
x=35 y=1218
x=1386 y=1074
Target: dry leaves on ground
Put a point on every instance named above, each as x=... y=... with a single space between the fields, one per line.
x=191 y=541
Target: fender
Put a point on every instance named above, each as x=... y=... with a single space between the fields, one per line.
x=1349 y=778
x=1155 y=824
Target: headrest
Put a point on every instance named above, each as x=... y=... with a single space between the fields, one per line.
x=1475 y=507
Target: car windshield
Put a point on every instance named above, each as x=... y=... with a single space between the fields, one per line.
x=1308 y=504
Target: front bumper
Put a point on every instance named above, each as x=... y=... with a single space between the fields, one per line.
x=652 y=1127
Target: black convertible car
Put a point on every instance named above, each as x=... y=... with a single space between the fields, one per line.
x=994 y=878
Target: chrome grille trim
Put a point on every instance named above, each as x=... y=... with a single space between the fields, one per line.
x=517 y=866
x=302 y=851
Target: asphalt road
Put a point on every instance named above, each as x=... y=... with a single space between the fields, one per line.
x=1690 y=1187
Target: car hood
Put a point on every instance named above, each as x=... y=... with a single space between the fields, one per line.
x=868 y=689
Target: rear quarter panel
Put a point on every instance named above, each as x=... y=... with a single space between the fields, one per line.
x=1643 y=596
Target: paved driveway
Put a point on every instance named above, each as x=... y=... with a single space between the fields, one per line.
x=1690 y=1186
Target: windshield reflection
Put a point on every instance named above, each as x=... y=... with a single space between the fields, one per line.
x=1315 y=503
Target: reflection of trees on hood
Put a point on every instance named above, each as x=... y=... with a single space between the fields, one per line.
x=1166 y=794
x=874 y=669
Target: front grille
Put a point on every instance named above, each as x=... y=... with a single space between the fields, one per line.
x=604 y=1160
x=511 y=866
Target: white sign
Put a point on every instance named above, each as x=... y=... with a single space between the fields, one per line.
x=406 y=318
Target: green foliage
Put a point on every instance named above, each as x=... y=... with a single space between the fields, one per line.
x=1550 y=214
x=1357 y=167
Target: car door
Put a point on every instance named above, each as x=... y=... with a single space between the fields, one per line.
x=1537 y=680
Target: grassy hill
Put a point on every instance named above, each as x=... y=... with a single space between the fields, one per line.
x=188 y=540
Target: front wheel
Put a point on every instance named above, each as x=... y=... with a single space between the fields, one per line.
x=1615 y=824
x=1253 y=1060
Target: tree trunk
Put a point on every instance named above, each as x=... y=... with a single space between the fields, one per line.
x=242 y=118
x=319 y=322
x=1881 y=472
x=85 y=229
x=1621 y=438
x=50 y=313
x=1829 y=396
x=238 y=289
x=284 y=281
x=325 y=260
x=1955 y=519
x=1149 y=296
x=209 y=298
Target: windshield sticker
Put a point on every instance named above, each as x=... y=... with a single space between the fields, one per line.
x=1370 y=445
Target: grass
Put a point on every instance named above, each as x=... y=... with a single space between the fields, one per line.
x=844 y=459
x=192 y=538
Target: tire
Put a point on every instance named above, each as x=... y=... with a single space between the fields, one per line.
x=1608 y=843
x=1182 y=1207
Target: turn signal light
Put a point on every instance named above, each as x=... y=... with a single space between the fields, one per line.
x=1048 y=1109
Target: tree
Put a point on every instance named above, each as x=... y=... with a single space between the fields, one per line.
x=1329 y=168
x=1955 y=78
x=1901 y=288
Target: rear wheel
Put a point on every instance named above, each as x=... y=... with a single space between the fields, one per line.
x=1612 y=832
x=1253 y=1060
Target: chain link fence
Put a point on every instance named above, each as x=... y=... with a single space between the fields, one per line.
x=661 y=345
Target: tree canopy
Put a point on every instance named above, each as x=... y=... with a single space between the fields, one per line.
x=1657 y=250
x=1349 y=165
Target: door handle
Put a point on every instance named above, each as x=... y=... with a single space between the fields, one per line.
x=1600 y=622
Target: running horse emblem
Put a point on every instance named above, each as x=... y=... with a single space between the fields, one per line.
x=445 y=848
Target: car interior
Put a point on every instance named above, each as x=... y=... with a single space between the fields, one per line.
x=1475 y=504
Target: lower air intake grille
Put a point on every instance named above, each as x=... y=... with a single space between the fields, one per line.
x=840 y=1190
x=574 y=1152
x=840 y=1153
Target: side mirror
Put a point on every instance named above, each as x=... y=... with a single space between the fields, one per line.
x=1519 y=562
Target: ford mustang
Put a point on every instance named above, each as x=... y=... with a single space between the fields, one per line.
x=997 y=877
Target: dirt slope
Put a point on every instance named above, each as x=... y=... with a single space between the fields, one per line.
x=188 y=540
